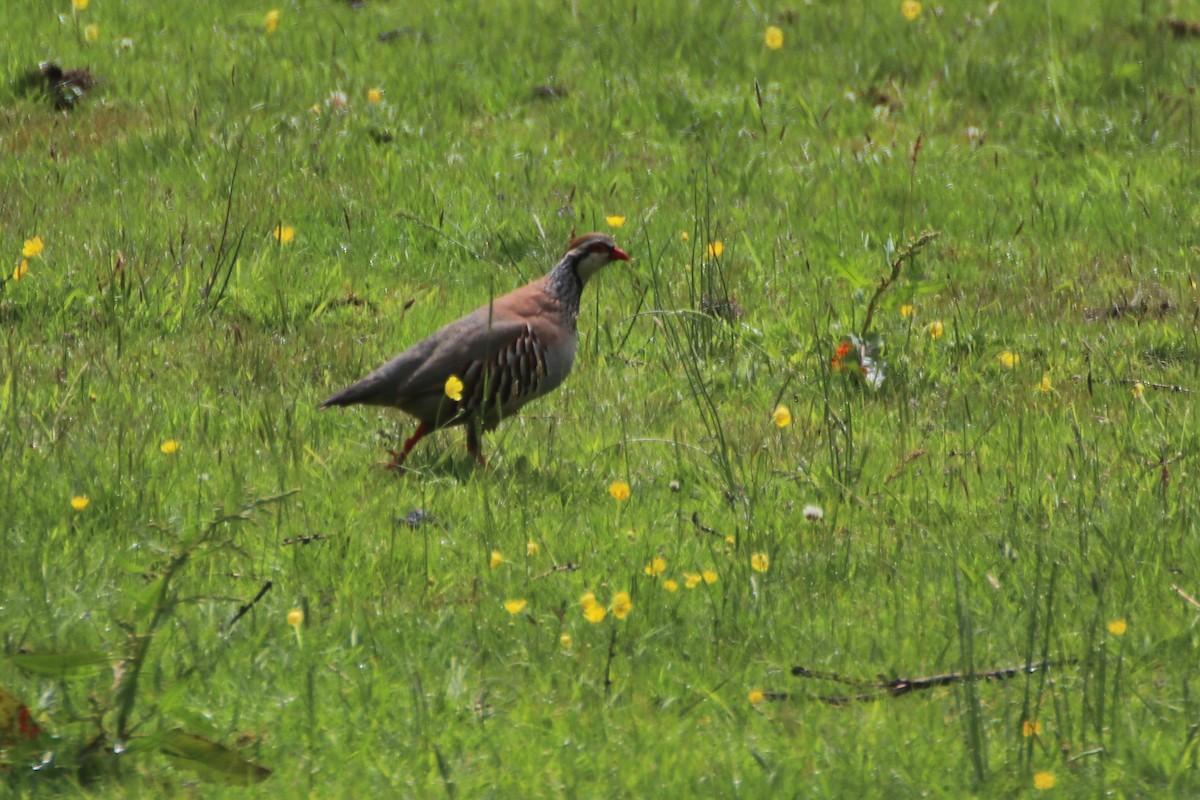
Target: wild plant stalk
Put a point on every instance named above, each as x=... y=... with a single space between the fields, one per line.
x=690 y=359
x=226 y=256
x=910 y=251
x=161 y=603
x=973 y=721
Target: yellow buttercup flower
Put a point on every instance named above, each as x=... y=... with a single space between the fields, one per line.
x=32 y=247
x=621 y=605
x=20 y=270
x=532 y=549
x=1043 y=780
x=907 y=310
x=756 y=696
x=760 y=562
x=670 y=585
x=374 y=96
x=615 y=221
x=454 y=388
x=515 y=606
x=911 y=9
x=1009 y=359
x=91 y=33
x=295 y=618
x=683 y=236
x=773 y=38
x=1031 y=727
x=284 y=233
x=709 y=576
x=170 y=447
x=619 y=491
x=656 y=567
x=715 y=249
x=564 y=641
x=79 y=503
x=690 y=580
x=80 y=5
x=1044 y=383
x=781 y=416
x=1138 y=389
x=936 y=329
x=495 y=559
x=271 y=21
x=593 y=611
x=1117 y=627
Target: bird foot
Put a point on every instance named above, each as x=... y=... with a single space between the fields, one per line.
x=395 y=463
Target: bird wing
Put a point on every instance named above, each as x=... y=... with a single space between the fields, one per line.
x=422 y=370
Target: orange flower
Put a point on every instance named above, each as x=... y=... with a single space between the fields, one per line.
x=843 y=350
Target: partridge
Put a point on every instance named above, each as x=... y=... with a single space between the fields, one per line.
x=514 y=349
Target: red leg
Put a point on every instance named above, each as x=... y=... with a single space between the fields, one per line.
x=398 y=458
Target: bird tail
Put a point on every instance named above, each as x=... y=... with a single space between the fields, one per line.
x=365 y=391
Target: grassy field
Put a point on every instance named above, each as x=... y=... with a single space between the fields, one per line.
x=236 y=221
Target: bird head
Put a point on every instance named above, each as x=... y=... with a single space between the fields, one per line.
x=588 y=253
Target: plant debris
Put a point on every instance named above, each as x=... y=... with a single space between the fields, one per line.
x=898 y=687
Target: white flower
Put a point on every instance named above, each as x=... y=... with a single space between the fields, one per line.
x=813 y=513
x=338 y=101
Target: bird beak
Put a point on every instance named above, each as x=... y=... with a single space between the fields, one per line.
x=619 y=255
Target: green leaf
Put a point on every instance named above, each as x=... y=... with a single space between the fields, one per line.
x=927 y=287
x=67 y=664
x=210 y=760
x=853 y=276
